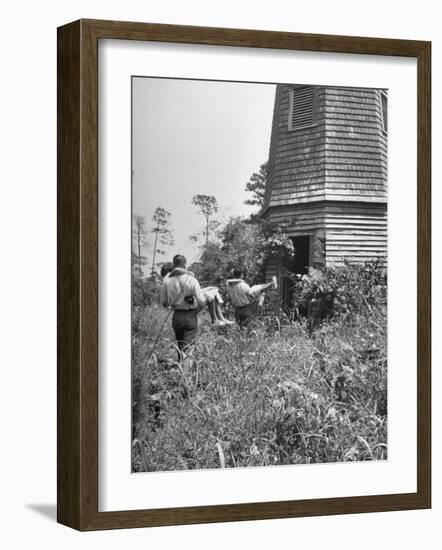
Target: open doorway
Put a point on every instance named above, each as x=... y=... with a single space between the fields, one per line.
x=299 y=264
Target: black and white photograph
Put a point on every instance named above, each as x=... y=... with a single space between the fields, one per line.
x=220 y=282
x=259 y=274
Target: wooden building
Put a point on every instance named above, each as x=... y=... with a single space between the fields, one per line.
x=327 y=174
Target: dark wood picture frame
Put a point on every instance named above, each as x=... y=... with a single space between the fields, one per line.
x=77 y=224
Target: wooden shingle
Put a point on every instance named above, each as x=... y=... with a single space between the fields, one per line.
x=327 y=170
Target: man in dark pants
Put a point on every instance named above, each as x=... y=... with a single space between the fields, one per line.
x=182 y=292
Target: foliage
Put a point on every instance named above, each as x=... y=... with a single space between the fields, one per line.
x=306 y=387
x=330 y=291
x=199 y=238
x=243 y=243
x=243 y=247
x=207 y=205
x=211 y=268
x=145 y=291
x=163 y=233
x=279 y=393
x=256 y=185
x=140 y=241
x=277 y=242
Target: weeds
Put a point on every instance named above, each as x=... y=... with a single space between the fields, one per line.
x=279 y=393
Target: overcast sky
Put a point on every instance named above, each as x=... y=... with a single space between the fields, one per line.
x=194 y=137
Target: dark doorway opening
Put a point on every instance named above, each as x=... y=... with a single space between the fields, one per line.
x=301 y=261
x=298 y=264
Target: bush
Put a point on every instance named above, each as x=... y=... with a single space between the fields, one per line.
x=145 y=291
x=342 y=291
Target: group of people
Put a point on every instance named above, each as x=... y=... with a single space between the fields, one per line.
x=181 y=292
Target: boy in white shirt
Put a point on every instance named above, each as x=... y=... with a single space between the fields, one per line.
x=246 y=298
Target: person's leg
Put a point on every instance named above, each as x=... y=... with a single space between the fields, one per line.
x=213 y=297
x=238 y=315
x=250 y=313
x=244 y=319
x=218 y=312
x=256 y=290
x=243 y=315
x=211 y=306
x=177 y=326
x=218 y=300
x=190 y=332
x=220 y=315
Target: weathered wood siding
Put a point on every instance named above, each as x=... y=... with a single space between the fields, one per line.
x=296 y=165
x=356 y=148
x=355 y=232
x=329 y=180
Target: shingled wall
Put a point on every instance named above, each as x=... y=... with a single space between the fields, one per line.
x=329 y=179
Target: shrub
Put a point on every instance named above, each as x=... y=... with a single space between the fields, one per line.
x=344 y=291
x=145 y=291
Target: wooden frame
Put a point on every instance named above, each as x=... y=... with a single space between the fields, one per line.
x=77 y=459
x=290 y=115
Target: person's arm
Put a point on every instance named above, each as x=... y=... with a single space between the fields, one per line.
x=198 y=295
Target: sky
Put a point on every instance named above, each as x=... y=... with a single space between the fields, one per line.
x=193 y=137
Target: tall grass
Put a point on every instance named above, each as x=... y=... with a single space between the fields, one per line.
x=278 y=393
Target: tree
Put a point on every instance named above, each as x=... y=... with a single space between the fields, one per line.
x=199 y=236
x=162 y=231
x=249 y=244
x=246 y=244
x=210 y=269
x=242 y=244
x=140 y=242
x=256 y=185
x=207 y=205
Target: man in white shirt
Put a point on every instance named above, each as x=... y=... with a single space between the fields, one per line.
x=182 y=292
x=245 y=298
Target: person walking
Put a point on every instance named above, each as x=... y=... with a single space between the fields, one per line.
x=181 y=292
x=212 y=297
x=246 y=298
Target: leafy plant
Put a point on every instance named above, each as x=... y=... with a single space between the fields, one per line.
x=327 y=292
x=281 y=393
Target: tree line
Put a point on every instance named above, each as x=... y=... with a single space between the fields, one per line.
x=246 y=242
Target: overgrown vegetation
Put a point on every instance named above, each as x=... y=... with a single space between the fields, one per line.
x=305 y=383
x=305 y=388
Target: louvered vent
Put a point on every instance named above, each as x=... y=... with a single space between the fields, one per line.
x=302 y=108
x=384 y=111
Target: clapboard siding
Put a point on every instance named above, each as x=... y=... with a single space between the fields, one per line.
x=354 y=232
